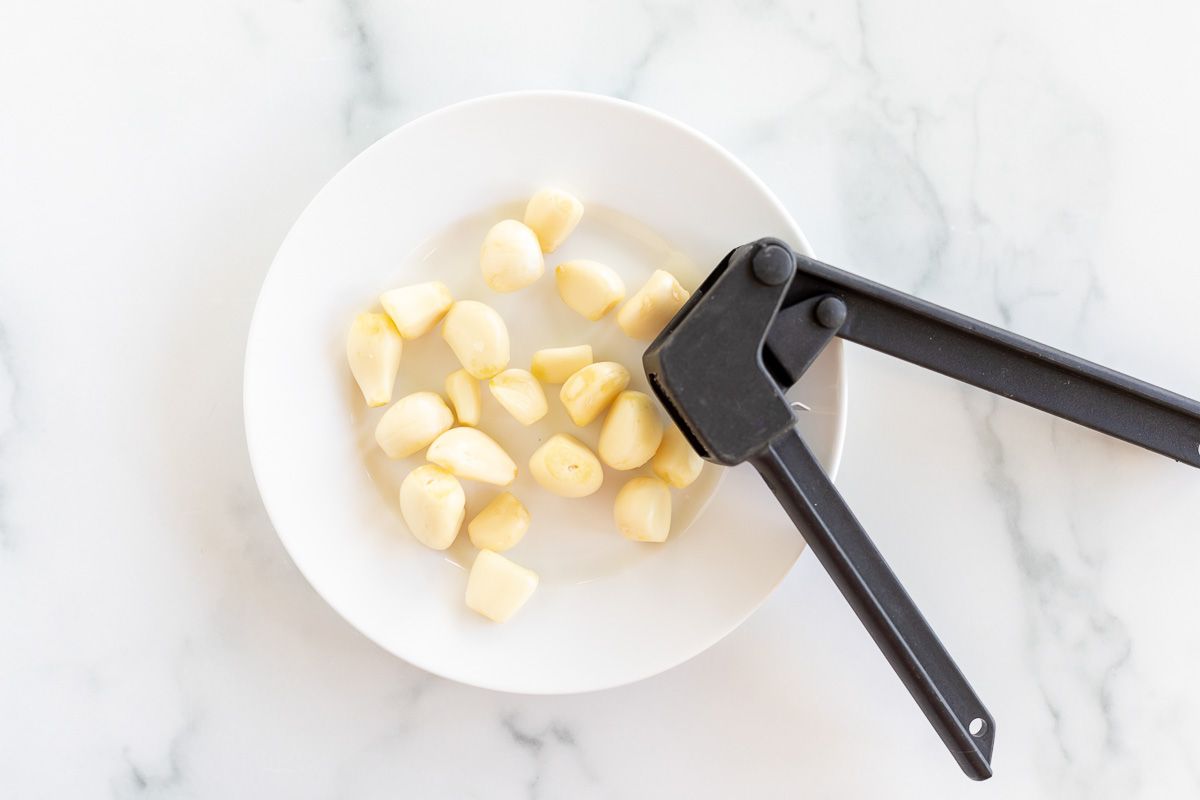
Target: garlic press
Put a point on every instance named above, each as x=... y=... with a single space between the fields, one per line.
x=721 y=367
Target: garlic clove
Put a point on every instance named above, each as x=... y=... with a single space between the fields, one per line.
x=590 y=390
x=416 y=309
x=497 y=587
x=676 y=462
x=510 y=257
x=520 y=394
x=589 y=288
x=478 y=337
x=556 y=364
x=373 y=349
x=412 y=423
x=465 y=396
x=564 y=465
x=552 y=214
x=472 y=454
x=631 y=432
x=433 y=505
x=500 y=525
x=652 y=306
x=643 y=510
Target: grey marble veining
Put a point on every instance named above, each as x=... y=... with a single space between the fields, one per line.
x=1029 y=163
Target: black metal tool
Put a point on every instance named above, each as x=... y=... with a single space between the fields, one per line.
x=761 y=318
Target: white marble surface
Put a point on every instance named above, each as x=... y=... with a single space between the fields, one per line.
x=1031 y=163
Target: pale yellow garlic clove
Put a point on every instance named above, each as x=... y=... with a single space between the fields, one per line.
x=412 y=423
x=589 y=391
x=566 y=466
x=556 y=364
x=643 y=510
x=478 y=337
x=497 y=587
x=631 y=432
x=676 y=462
x=373 y=350
x=470 y=453
x=553 y=214
x=465 y=396
x=510 y=257
x=520 y=394
x=433 y=505
x=652 y=306
x=500 y=525
x=589 y=288
x=416 y=309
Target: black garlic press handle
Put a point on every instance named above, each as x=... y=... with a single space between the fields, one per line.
x=1003 y=362
x=763 y=316
x=884 y=608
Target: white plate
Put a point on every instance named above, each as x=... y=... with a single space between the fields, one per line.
x=414 y=207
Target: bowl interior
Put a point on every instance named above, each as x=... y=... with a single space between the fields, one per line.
x=412 y=208
x=570 y=540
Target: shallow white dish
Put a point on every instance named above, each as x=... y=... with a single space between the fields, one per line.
x=413 y=207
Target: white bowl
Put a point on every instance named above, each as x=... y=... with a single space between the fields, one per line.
x=413 y=207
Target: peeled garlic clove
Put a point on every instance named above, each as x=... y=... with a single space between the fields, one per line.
x=520 y=394
x=556 y=364
x=565 y=466
x=478 y=337
x=433 y=505
x=589 y=288
x=497 y=587
x=373 y=350
x=416 y=309
x=643 y=510
x=500 y=524
x=632 y=431
x=411 y=423
x=591 y=389
x=470 y=453
x=652 y=306
x=511 y=257
x=676 y=462
x=553 y=214
x=465 y=396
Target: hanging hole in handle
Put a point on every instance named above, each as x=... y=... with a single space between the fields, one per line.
x=977 y=727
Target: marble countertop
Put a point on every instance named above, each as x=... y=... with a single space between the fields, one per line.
x=1033 y=164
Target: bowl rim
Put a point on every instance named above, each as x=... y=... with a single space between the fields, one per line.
x=431 y=117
